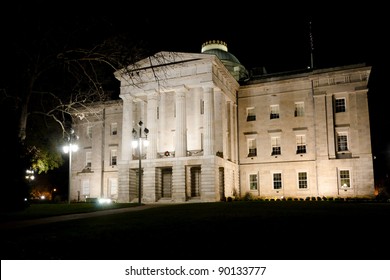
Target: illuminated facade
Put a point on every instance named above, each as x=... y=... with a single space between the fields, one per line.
x=216 y=132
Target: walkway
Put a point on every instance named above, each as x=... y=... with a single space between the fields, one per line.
x=62 y=218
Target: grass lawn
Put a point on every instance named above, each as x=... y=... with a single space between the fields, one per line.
x=221 y=230
x=42 y=210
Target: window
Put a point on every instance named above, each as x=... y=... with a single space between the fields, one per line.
x=114 y=129
x=158 y=113
x=113 y=157
x=85 y=188
x=251 y=116
x=201 y=106
x=113 y=186
x=345 y=181
x=274 y=109
x=88 y=159
x=302 y=180
x=89 y=131
x=342 y=142
x=277 y=181
x=252 y=149
x=299 y=109
x=275 y=143
x=340 y=105
x=301 y=144
x=253 y=182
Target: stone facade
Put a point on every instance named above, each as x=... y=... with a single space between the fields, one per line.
x=211 y=137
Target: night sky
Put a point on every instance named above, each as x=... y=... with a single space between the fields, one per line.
x=275 y=36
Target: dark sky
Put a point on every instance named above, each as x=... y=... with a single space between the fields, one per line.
x=274 y=35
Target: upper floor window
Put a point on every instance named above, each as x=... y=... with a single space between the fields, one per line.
x=201 y=106
x=114 y=129
x=113 y=157
x=250 y=114
x=274 y=112
x=275 y=144
x=277 y=181
x=302 y=180
x=342 y=142
x=299 y=109
x=301 y=144
x=88 y=159
x=252 y=149
x=89 y=131
x=253 y=182
x=340 y=105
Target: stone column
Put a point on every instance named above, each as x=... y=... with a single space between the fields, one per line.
x=208 y=121
x=178 y=182
x=152 y=124
x=126 y=151
x=225 y=123
x=127 y=123
x=234 y=134
x=181 y=125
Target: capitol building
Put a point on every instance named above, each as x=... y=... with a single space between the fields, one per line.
x=200 y=127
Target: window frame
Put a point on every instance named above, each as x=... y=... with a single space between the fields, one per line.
x=250 y=114
x=299 y=111
x=299 y=180
x=341 y=178
x=88 y=159
x=253 y=182
x=276 y=148
x=301 y=147
x=274 y=111
x=114 y=128
x=340 y=147
x=252 y=147
x=274 y=181
x=340 y=108
x=113 y=157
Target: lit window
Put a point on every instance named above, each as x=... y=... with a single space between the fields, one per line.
x=277 y=181
x=253 y=182
x=302 y=180
x=345 y=181
x=342 y=142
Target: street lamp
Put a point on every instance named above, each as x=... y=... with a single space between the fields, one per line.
x=138 y=141
x=30 y=175
x=69 y=148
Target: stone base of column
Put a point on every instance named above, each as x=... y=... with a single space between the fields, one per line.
x=178 y=183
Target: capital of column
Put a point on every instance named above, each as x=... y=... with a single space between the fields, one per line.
x=152 y=94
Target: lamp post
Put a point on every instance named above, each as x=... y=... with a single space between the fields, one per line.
x=69 y=148
x=138 y=141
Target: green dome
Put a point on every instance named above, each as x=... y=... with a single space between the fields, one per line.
x=219 y=49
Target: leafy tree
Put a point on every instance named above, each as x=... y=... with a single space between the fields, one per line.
x=54 y=69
